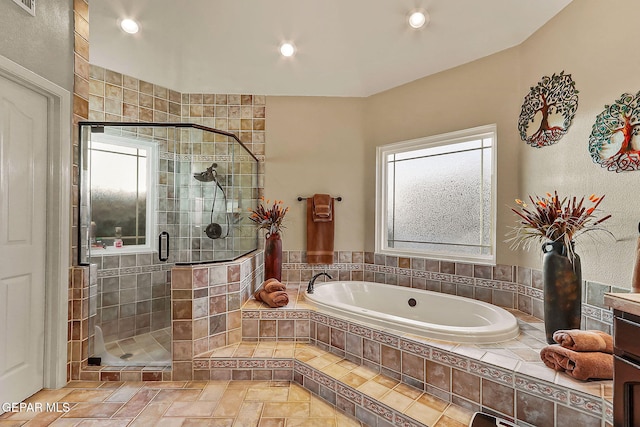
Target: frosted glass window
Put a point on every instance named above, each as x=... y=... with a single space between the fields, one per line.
x=436 y=196
x=120 y=174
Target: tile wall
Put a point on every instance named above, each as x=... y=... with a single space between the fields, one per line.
x=78 y=314
x=453 y=373
x=104 y=95
x=205 y=313
x=458 y=378
x=503 y=285
x=205 y=304
x=133 y=295
x=116 y=97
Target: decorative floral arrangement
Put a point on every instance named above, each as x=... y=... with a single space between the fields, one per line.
x=269 y=219
x=553 y=219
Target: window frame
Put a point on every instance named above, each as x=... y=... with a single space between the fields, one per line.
x=381 y=216
x=151 y=174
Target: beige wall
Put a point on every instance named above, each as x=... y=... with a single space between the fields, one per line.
x=44 y=43
x=317 y=145
x=590 y=40
x=482 y=92
x=328 y=144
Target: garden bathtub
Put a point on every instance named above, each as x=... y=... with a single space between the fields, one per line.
x=424 y=313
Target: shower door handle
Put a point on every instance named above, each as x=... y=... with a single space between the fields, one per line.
x=163 y=243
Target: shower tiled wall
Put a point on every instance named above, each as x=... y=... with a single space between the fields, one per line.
x=115 y=97
x=104 y=95
x=202 y=203
x=243 y=115
x=133 y=295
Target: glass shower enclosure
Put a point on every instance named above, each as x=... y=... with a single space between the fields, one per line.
x=151 y=196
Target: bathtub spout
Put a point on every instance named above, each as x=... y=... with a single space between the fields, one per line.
x=313 y=281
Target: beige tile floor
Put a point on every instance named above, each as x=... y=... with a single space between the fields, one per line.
x=186 y=404
x=423 y=407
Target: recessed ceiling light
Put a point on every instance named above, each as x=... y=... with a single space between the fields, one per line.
x=129 y=26
x=418 y=19
x=287 y=49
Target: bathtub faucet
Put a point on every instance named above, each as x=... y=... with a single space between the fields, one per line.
x=312 y=282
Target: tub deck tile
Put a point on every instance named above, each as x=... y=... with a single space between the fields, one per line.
x=382 y=395
x=514 y=363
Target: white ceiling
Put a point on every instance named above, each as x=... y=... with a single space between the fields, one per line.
x=344 y=47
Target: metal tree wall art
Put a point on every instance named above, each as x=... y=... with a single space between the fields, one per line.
x=550 y=106
x=614 y=142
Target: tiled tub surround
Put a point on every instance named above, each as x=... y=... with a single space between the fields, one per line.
x=503 y=285
x=507 y=379
x=475 y=378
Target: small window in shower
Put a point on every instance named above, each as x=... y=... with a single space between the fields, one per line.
x=436 y=196
x=121 y=193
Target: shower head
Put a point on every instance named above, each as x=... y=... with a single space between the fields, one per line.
x=208 y=175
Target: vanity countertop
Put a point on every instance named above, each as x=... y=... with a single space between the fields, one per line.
x=627 y=302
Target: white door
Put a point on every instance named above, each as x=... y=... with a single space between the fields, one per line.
x=23 y=182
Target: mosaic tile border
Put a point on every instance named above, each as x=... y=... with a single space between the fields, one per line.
x=329 y=388
x=307 y=376
x=334 y=390
x=115 y=272
x=517 y=287
x=593 y=405
x=437 y=354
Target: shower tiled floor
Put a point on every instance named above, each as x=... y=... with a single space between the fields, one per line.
x=150 y=349
x=180 y=403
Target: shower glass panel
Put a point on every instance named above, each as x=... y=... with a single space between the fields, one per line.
x=152 y=196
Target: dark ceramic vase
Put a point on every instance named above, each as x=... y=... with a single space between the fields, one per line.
x=273 y=257
x=562 y=281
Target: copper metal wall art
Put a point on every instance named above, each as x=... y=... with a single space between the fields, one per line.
x=613 y=142
x=548 y=108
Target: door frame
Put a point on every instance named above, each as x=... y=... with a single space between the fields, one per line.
x=58 y=191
